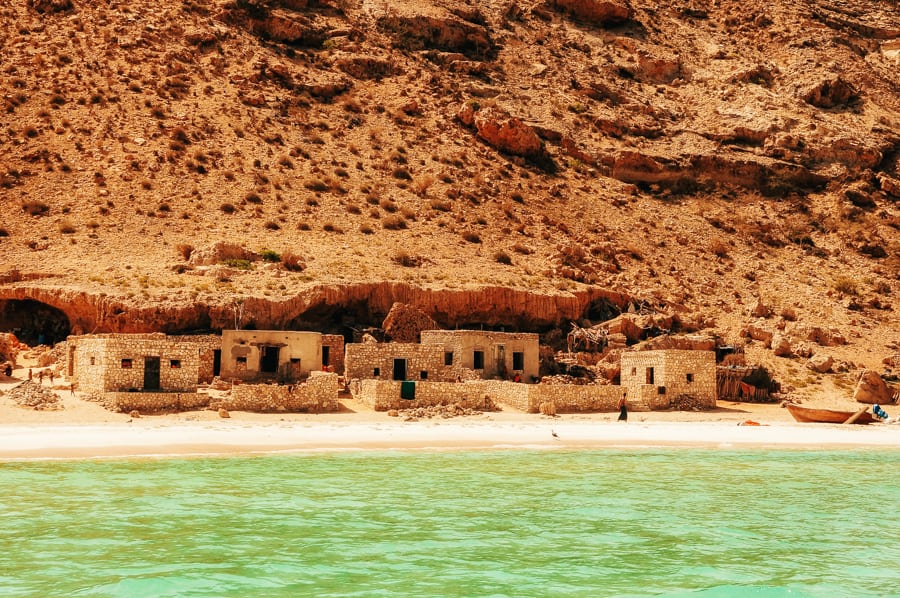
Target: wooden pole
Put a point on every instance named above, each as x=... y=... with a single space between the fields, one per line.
x=855 y=416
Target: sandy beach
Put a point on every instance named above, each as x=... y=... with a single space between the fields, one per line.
x=84 y=429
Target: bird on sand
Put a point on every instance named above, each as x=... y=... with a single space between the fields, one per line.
x=555 y=435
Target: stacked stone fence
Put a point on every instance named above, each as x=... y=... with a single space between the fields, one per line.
x=319 y=394
x=155 y=402
x=383 y=395
x=580 y=398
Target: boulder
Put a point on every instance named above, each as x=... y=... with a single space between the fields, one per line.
x=761 y=310
x=827 y=337
x=892 y=361
x=889 y=185
x=223 y=413
x=820 y=363
x=50 y=6
x=759 y=333
x=404 y=323
x=872 y=389
x=507 y=133
x=781 y=345
x=600 y=12
x=220 y=252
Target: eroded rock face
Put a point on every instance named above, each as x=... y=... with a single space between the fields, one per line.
x=871 y=389
x=50 y=6
x=507 y=133
x=323 y=306
x=830 y=94
x=600 y=12
x=444 y=32
x=220 y=252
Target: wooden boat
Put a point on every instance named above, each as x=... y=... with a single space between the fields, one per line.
x=828 y=416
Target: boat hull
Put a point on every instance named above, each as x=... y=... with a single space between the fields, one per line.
x=827 y=416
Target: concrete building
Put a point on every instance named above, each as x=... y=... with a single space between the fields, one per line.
x=659 y=377
x=281 y=355
x=491 y=354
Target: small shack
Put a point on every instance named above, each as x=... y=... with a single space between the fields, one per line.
x=281 y=355
x=670 y=378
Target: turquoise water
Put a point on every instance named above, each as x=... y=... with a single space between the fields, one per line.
x=517 y=523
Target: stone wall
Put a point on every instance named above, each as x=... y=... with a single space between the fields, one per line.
x=207 y=345
x=382 y=395
x=318 y=394
x=660 y=377
x=376 y=361
x=335 y=344
x=155 y=402
x=116 y=362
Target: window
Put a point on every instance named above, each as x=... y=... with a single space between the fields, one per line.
x=175 y=364
x=242 y=360
x=690 y=377
x=93 y=361
x=448 y=357
x=478 y=360
x=126 y=364
x=326 y=355
x=634 y=371
x=423 y=375
x=518 y=360
x=376 y=372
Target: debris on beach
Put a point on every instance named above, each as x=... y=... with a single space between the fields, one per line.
x=34 y=396
x=443 y=411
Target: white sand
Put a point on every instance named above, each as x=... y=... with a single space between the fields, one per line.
x=140 y=439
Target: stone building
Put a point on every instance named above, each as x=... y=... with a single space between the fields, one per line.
x=282 y=355
x=397 y=361
x=657 y=378
x=333 y=352
x=491 y=354
x=135 y=362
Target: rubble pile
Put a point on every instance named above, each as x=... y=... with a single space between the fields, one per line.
x=686 y=403
x=404 y=323
x=34 y=396
x=442 y=411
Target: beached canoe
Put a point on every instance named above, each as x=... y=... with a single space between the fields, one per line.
x=827 y=416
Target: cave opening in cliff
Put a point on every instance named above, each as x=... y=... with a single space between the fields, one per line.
x=337 y=319
x=33 y=322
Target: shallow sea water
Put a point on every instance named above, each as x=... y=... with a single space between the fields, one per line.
x=706 y=523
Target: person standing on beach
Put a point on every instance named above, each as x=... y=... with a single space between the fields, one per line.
x=623 y=408
x=29 y=374
x=41 y=377
x=51 y=377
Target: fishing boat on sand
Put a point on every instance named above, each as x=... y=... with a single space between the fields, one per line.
x=828 y=416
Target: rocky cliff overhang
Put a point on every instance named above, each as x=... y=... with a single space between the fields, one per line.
x=324 y=307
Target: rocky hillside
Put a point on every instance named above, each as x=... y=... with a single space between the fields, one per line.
x=179 y=164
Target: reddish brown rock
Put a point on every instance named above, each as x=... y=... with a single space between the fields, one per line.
x=50 y=6
x=601 y=12
x=872 y=389
x=404 y=323
x=507 y=133
x=830 y=93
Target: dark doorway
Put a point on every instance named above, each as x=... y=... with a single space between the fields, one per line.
x=399 y=369
x=478 y=360
x=518 y=360
x=217 y=361
x=268 y=359
x=151 y=373
x=326 y=355
x=650 y=376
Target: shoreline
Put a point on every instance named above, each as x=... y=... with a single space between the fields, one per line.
x=35 y=442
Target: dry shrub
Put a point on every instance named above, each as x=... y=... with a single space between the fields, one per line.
x=471 y=237
x=718 y=247
x=66 y=227
x=35 y=207
x=501 y=257
x=406 y=260
x=393 y=222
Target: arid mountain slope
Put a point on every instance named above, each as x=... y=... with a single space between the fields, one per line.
x=498 y=163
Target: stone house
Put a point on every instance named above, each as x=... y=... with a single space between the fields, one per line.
x=657 y=378
x=150 y=362
x=490 y=354
x=397 y=361
x=282 y=355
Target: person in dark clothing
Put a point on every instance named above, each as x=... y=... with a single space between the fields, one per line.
x=623 y=408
